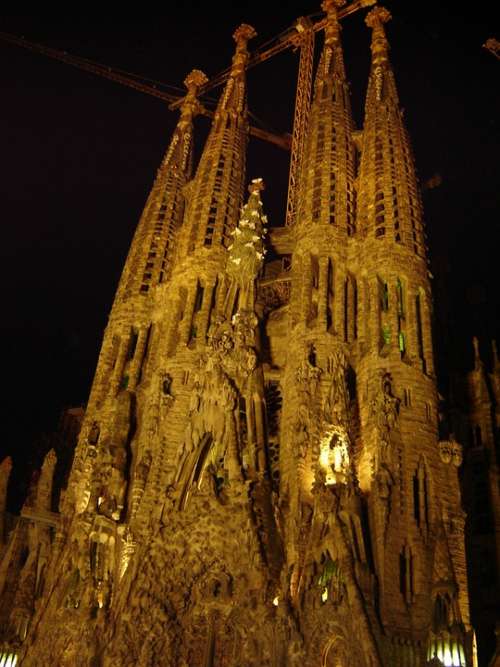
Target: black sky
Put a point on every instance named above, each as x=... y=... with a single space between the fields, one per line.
x=79 y=155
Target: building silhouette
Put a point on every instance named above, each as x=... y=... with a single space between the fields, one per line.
x=260 y=477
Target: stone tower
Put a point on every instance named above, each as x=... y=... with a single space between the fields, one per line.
x=259 y=478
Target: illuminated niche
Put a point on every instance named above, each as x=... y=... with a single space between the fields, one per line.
x=446 y=637
x=448 y=649
x=334 y=456
x=8 y=660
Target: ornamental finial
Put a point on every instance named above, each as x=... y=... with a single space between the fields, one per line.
x=375 y=20
x=195 y=79
x=190 y=105
x=332 y=5
x=377 y=17
x=243 y=34
x=256 y=186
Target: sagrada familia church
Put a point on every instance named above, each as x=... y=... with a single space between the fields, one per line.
x=259 y=478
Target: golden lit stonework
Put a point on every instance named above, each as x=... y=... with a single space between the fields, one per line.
x=259 y=479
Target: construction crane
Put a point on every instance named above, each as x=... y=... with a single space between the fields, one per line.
x=283 y=141
x=300 y=36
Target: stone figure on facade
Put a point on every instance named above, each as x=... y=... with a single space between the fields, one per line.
x=385 y=411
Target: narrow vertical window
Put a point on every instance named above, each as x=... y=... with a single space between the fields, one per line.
x=330 y=296
x=407 y=398
x=421 y=497
x=420 y=335
x=355 y=308
x=134 y=335
x=406 y=574
x=346 y=309
x=401 y=318
x=198 y=301
x=314 y=272
x=383 y=292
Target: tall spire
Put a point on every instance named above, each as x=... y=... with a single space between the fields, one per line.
x=327 y=189
x=389 y=204
x=150 y=258
x=217 y=190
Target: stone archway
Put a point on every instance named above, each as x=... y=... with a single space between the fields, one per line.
x=335 y=653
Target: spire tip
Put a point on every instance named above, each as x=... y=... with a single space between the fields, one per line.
x=377 y=17
x=330 y=5
x=195 y=79
x=256 y=185
x=244 y=33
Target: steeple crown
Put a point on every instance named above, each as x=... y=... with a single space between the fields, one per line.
x=190 y=105
x=233 y=97
x=375 y=20
x=332 y=28
x=242 y=35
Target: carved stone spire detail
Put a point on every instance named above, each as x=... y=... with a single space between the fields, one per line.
x=217 y=190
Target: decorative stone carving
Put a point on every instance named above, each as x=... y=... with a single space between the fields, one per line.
x=336 y=407
x=94 y=432
x=305 y=425
x=385 y=411
x=450 y=451
x=141 y=473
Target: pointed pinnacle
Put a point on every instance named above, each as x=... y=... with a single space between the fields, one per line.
x=377 y=17
x=243 y=34
x=332 y=5
x=477 y=356
x=190 y=105
x=256 y=186
x=50 y=459
x=332 y=28
x=195 y=79
x=6 y=464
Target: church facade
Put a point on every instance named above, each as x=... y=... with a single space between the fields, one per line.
x=259 y=478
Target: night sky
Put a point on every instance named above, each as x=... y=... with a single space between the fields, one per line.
x=79 y=155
